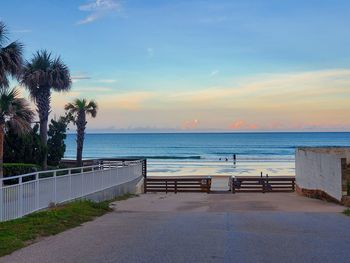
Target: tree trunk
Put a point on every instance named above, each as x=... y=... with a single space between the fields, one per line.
x=2 y=135
x=81 y=124
x=43 y=138
x=43 y=103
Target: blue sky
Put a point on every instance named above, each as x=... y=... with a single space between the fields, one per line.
x=159 y=65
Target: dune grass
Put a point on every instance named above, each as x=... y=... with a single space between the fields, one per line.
x=21 y=232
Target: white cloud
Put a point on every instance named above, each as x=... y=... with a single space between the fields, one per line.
x=79 y=76
x=99 y=9
x=107 y=80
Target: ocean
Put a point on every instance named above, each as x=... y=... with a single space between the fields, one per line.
x=175 y=154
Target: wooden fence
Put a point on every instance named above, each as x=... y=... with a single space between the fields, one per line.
x=262 y=184
x=196 y=184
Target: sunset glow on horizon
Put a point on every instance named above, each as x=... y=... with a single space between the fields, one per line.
x=183 y=66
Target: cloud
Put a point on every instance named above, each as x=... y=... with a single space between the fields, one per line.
x=99 y=9
x=242 y=125
x=314 y=100
x=77 y=76
x=107 y=80
x=93 y=89
x=190 y=124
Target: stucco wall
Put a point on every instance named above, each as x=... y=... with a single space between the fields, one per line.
x=320 y=169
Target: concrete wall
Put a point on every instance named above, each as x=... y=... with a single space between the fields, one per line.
x=132 y=187
x=321 y=169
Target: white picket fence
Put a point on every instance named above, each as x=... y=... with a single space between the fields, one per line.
x=39 y=190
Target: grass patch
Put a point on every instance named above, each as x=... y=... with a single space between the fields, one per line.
x=347 y=212
x=21 y=232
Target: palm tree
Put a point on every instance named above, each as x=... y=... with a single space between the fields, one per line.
x=10 y=58
x=78 y=109
x=15 y=113
x=40 y=76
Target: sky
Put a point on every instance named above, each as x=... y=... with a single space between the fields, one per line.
x=196 y=65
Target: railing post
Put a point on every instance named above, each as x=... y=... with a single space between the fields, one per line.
x=55 y=188
x=145 y=185
x=20 y=197
x=37 y=191
x=70 y=183
x=208 y=184
x=233 y=187
x=293 y=185
x=82 y=181
x=144 y=168
x=1 y=201
x=175 y=182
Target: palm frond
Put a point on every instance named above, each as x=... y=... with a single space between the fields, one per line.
x=11 y=61
x=14 y=111
x=45 y=72
x=3 y=33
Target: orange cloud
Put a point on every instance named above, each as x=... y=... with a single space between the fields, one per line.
x=190 y=124
x=242 y=125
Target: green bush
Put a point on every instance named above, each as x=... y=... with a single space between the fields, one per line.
x=13 y=169
x=349 y=188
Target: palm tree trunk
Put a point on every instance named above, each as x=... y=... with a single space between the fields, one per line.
x=43 y=138
x=2 y=135
x=43 y=104
x=81 y=124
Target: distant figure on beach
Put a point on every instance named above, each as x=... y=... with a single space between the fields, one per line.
x=234 y=157
x=226 y=159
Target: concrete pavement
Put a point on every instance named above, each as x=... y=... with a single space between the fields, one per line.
x=203 y=228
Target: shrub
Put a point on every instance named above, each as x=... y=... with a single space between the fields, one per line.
x=349 y=188
x=12 y=169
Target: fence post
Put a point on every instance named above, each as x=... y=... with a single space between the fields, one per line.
x=55 y=188
x=208 y=184
x=20 y=196
x=1 y=202
x=36 y=191
x=70 y=183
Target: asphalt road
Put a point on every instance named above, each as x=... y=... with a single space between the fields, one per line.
x=187 y=235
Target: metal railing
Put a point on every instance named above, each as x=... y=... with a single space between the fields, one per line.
x=24 y=194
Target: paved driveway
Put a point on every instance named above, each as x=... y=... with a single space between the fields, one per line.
x=203 y=228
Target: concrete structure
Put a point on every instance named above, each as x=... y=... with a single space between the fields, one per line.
x=323 y=172
x=133 y=187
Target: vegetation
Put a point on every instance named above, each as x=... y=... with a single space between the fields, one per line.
x=15 y=113
x=78 y=109
x=55 y=144
x=18 y=233
x=347 y=212
x=10 y=58
x=12 y=169
x=42 y=75
x=26 y=148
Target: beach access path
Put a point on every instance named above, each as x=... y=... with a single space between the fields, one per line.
x=192 y=227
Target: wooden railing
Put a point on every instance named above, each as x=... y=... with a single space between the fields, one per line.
x=194 y=184
x=263 y=184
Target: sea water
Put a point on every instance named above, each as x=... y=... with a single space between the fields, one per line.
x=212 y=154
